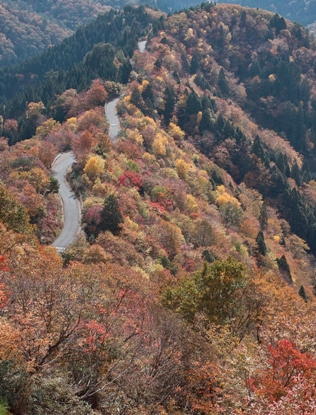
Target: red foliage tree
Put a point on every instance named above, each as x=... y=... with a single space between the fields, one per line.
x=96 y=94
x=82 y=146
x=131 y=179
x=284 y=365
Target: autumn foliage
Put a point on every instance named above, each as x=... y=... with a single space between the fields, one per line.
x=191 y=286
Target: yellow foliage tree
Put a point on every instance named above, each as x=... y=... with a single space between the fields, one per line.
x=72 y=123
x=176 y=132
x=148 y=158
x=182 y=168
x=222 y=197
x=104 y=142
x=159 y=145
x=95 y=254
x=190 y=33
x=144 y=85
x=12 y=213
x=203 y=180
x=94 y=167
x=37 y=178
x=47 y=126
x=134 y=135
x=34 y=109
x=99 y=188
x=171 y=238
x=191 y=204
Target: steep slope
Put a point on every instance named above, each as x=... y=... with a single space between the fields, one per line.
x=70 y=14
x=29 y=27
x=193 y=289
x=256 y=63
x=101 y=49
x=301 y=11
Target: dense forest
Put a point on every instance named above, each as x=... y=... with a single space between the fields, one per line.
x=24 y=33
x=86 y=55
x=28 y=27
x=191 y=289
x=301 y=11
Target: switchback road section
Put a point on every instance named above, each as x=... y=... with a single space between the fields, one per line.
x=110 y=107
x=110 y=113
x=70 y=203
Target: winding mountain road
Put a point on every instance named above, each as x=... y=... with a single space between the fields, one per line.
x=142 y=46
x=70 y=203
x=60 y=166
x=110 y=107
x=110 y=113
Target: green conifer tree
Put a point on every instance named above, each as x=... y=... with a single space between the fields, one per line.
x=222 y=83
x=148 y=93
x=263 y=217
x=206 y=123
x=169 y=104
x=262 y=249
x=306 y=177
x=111 y=215
x=255 y=69
x=125 y=72
x=302 y=293
x=194 y=65
x=295 y=174
x=193 y=104
x=257 y=148
x=284 y=268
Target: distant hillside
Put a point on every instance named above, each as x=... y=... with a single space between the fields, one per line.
x=301 y=11
x=29 y=27
x=23 y=33
x=70 y=13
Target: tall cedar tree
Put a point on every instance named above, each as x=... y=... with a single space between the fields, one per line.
x=111 y=215
x=222 y=83
x=262 y=249
x=263 y=217
x=284 y=267
x=302 y=293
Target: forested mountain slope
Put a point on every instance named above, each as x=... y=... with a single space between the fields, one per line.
x=86 y=55
x=29 y=27
x=72 y=13
x=69 y=13
x=301 y=11
x=262 y=65
x=24 y=33
x=191 y=290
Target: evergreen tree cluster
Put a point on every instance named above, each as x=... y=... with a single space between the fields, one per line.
x=298 y=10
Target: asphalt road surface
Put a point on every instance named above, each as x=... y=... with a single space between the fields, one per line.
x=70 y=202
x=110 y=107
x=142 y=45
x=110 y=113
